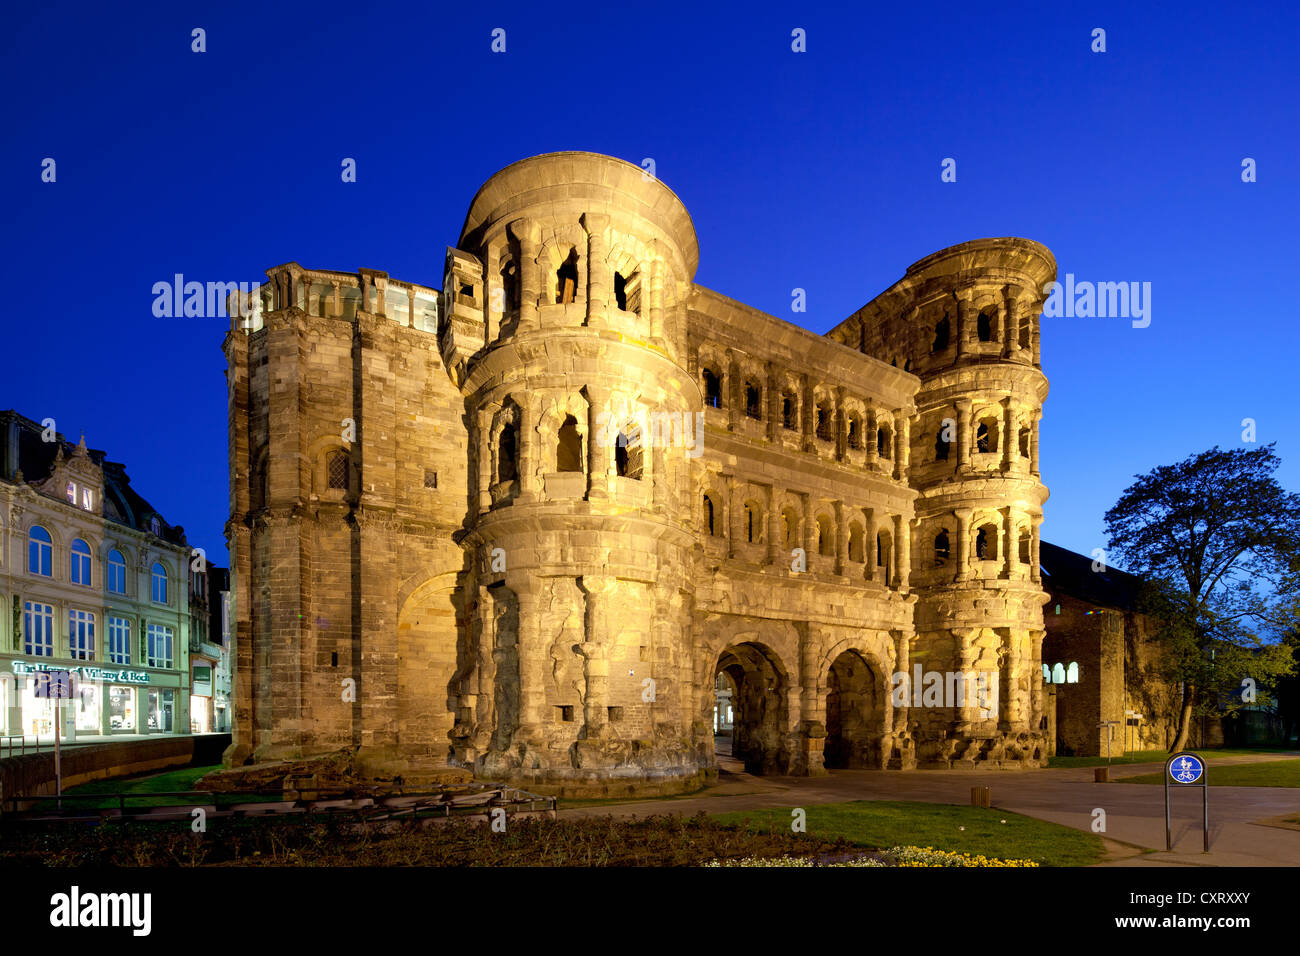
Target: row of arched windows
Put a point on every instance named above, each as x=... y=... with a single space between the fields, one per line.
x=40 y=561
x=752 y=528
x=823 y=413
x=984 y=331
x=629 y=461
x=1059 y=673
x=986 y=545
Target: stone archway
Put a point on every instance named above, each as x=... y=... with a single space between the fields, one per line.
x=760 y=717
x=426 y=670
x=856 y=701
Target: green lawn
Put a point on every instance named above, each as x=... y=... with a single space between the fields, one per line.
x=1271 y=773
x=1157 y=756
x=170 y=781
x=881 y=824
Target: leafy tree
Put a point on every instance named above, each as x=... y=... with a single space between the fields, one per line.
x=1217 y=541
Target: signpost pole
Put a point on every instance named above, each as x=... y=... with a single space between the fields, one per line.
x=58 y=768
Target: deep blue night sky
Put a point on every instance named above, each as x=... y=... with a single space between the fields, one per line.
x=818 y=170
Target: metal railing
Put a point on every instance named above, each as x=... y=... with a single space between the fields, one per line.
x=15 y=745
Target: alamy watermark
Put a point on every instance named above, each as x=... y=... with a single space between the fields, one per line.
x=204 y=300
x=683 y=430
x=946 y=689
x=1102 y=300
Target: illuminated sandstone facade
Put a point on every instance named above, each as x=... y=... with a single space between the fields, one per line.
x=534 y=523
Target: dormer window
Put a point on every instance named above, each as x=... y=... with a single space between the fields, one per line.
x=72 y=492
x=87 y=499
x=155 y=526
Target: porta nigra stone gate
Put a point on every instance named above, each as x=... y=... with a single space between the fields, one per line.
x=531 y=524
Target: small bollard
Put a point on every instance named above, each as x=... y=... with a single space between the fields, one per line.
x=1101 y=774
x=981 y=797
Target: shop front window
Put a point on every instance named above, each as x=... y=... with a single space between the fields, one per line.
x=38 y=712
x=121 y=708
x=87 y=706
x=161 y=707
x=199 y=722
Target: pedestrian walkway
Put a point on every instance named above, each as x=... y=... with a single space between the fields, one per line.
x=1134 y=813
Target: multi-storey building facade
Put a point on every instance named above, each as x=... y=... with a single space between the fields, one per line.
x=209 y=651
x=92 y=581
x=535 y=524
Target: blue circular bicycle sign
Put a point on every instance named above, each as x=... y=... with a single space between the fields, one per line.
x=1186 y=768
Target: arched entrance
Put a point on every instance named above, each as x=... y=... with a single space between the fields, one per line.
x=855 y=714
x=756 y=696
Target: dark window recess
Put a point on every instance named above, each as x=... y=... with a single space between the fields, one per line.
x=753 y=401
x=506 y=454
x=566 y=279
x=941 y=550
x=467 y=290
x=338 y=471
x=620 y=291
x=568 y=451
x=824 y=428
x=942 y=331
x=712 y=389
x=565 y=713
x=334 y=659
x=430 y=479
x=615 y=714
x=984 y=327
x=789 y=412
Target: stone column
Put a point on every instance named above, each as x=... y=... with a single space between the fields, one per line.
x=364 y=304
x=1010 y=323
x=775 y=420
x=735 y=391
x=600 y=278
x=600 y=456
x=871 y=545
x=809 y=530
x=963 y=544
x=903 y=665
x=963 y=433
x=527 y=451
x=1008 y=433
x=964 y=646
x=735 y=512
x=337 y=311
x=595 y=652
x=1035 y=572
x=809 y=416
x=1033 y=337
x=656 y=296
x=963 y=323
x=1008 y=541
x=1009 y=713
x=773 y=527
x=905 y=553
x=812 y=708
x=841 y=538
x=1033 y=440
x=529 y=653
x=528 y=233
x=484 y=443
x=841 y=425
x=410 y=305
x=871 y=426
x=902 y=444
x=1036 y=680
x=381 y=296
x=900 y=534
